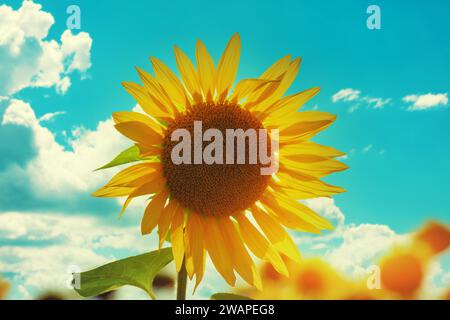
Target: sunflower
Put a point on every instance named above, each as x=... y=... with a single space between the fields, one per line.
x=226 y=211
x=4 y=288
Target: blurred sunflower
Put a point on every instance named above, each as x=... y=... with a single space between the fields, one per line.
x=403 y=270
x=312 y=279
x=4 y=288
x=213 y=208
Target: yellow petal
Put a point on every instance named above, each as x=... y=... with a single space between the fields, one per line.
x=317 y=170
x=285 y=82
x=177 y=237
x=188 y=74
x=142 y=97
x=165 y=220
x=169 y=82
x=303 y=127
x=240 y=258
x=257 y=99
x=126 y=116
x=282 y=204
x=206 y=72
x=112 y=192
x=277 y=69
x=194 y=229
x=188 y=257
x=228 y=66
x=287 y=216
x=157 y=94
x=317 y=187
x=259 y=245
x=130 y=174
x=139 y=132
x=146 y=151
x=282 y=187
x=276 y=234
x=155 y=183
x=309 y=147
x=153 y=212
x=287 y=107
x=288 y=78
x=215 y=244
x=246 y=87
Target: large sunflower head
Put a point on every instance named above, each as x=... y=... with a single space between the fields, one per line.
x=225 y=210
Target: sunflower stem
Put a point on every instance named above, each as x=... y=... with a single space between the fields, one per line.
x=181 y=282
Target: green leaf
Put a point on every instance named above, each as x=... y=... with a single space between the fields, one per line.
x=138 y=271
x=129 y=155
x=228 y=296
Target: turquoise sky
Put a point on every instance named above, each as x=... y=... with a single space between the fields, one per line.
x=399 y=159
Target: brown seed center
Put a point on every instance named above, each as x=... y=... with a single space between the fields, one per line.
x=214 y=189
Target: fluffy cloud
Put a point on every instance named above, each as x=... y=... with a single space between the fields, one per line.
x=426 y=101
x=65 y=241
x=29 y=21
x=29 y=59
x=59 y=171
x=77 y=231
x=350 y=248
x=348 y=94
x=360 y=246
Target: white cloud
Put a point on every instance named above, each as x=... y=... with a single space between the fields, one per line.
x=20 y=113
x=435 y=283
x=76 y=230
x=29 y=59
x=79 y=47
x=360 y=246
x=57 y=171
x=426 y=101
x=354 y=96
x=347 y=94
x=29 y=21
x=68 y=241
x=50 y=116
x=39 y=275
x=350 y=248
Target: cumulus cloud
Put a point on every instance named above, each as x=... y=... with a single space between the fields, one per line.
x=360 y=246
x=65 y=241
x=426 y=101
x=29 y=59
x=60 y=171
x=54 y=171
x=76 y=230
x=350 y=248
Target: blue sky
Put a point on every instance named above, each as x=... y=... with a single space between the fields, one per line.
x=398 y=157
